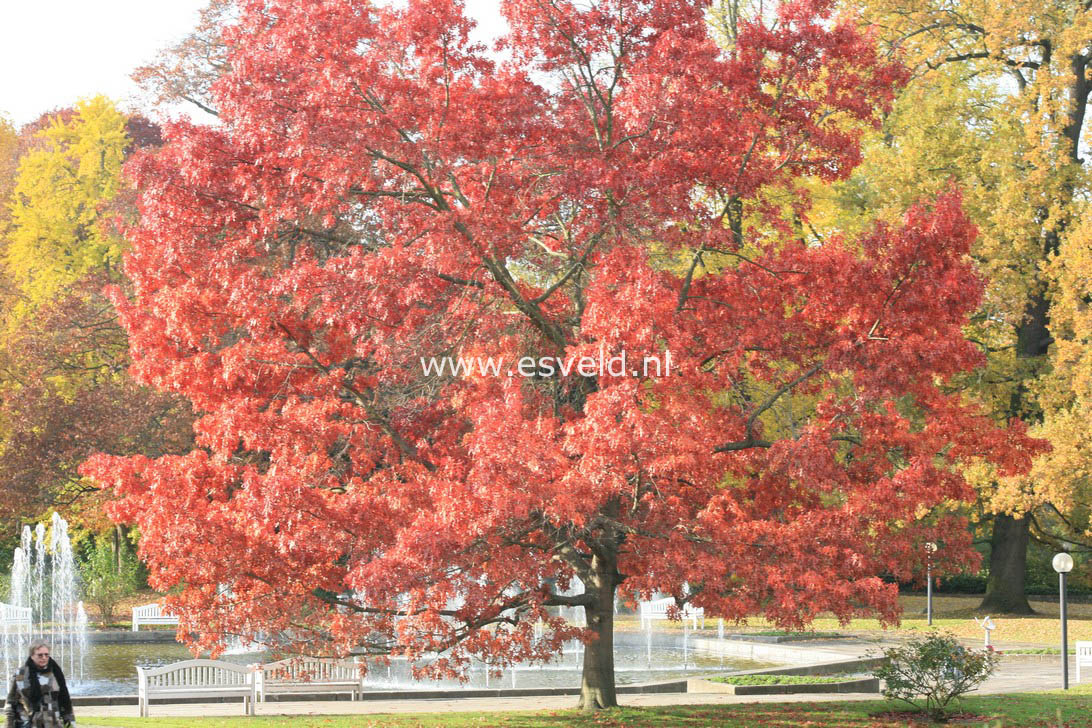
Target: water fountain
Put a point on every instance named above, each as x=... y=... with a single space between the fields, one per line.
x=44 y=601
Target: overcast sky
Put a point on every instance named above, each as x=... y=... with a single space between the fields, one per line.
x=54 y=52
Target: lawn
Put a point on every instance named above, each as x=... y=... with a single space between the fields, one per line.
x=1040 y=710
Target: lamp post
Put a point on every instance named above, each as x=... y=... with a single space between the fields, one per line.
x=1063 y=564
x=930 y=549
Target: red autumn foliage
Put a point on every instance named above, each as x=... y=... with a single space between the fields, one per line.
x=379 y=190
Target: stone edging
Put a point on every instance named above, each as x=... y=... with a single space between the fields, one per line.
x=778 y=639
x=857 y=685
x=121 y=636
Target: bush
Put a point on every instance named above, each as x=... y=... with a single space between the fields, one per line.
x=929 y=672
x=105 y=584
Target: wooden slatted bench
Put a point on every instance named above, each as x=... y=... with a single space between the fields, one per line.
x=309 y=675
x=151 y=614
x=196 y=679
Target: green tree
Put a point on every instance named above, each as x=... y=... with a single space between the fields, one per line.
x=109 y=576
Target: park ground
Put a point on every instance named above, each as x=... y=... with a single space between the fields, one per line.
x=1056 y=709
x=1053 y=709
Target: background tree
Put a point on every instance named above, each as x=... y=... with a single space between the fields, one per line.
x=1015 y=76
x=379 y=192
x=64 y=390
x=185 y=72
x=105 y=584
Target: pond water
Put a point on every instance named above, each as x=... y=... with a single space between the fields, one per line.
x=639 y=657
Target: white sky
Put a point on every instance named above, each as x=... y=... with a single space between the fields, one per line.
x=55 y=52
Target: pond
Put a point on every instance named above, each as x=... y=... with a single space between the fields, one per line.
x=639 y=657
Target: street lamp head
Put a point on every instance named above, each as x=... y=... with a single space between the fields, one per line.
x=1063 y=563
x=931 y=547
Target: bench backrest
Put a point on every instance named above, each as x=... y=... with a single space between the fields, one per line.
x=146 y=611
x=195 y=673
x=1084 y=651
x=657 y=606
x=13 y=615
x=661 y=606
x=311 y=669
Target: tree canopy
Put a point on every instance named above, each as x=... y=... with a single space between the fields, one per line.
x=379 y=191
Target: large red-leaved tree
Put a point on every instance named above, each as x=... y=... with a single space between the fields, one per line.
x=380 y=191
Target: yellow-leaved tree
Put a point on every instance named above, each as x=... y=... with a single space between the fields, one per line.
x=63 y=189
x=997 y=103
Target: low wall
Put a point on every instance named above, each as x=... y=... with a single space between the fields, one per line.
x=126 y=636
x=768 y=652
x=860 y=685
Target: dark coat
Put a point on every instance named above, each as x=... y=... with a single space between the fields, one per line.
x=55 y=709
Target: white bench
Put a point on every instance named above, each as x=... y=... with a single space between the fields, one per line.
x=151 y=614
x=309 y=675
x=13 y=616
x=658 y=609
x=1084 y=656
x=196 y=679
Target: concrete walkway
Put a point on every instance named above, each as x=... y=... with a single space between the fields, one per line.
x=1015 y=674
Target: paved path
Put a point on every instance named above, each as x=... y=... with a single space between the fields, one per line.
x=1017 y=674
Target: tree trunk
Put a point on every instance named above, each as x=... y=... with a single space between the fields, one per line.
x=117 y=548
x=597 y=681
x=1008 y=565
x=1009 y=543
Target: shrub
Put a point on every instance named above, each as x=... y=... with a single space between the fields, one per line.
x=929 y=672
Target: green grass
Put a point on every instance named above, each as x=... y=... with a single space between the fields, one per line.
x=1020 y=710
x=776 y=679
